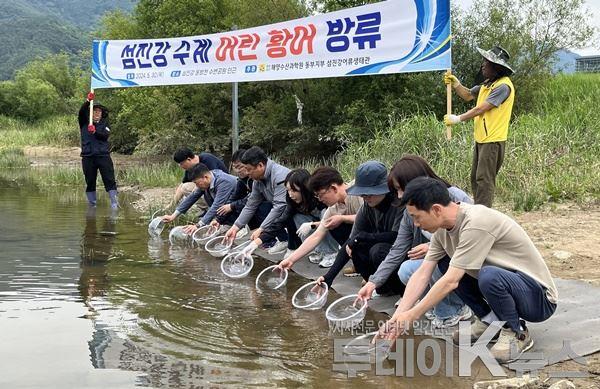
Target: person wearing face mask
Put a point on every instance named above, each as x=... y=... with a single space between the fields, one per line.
x=95 y=151
x=375 y=228
x=491 y=115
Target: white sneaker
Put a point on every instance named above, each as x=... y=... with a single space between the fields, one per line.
x=315 y=257
x=288 y=252
x=463 y=314
x=243 y=232
x=278 y=247
x=429 y=315
x=328 y=260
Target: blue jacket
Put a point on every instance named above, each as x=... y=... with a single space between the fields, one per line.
x=221 y=189
x=96 y=144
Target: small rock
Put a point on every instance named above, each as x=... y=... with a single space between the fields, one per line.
x=563 y=384
x=525 y=382
x=562 y=254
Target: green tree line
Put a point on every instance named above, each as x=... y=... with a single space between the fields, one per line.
x=337 y=113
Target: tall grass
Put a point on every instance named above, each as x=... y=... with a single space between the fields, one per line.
x=13 y=158
x=552 y=154
x=60 y=131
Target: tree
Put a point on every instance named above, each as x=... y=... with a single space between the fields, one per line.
x=532 y=31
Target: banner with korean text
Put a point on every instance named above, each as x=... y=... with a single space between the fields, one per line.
x=392 y=36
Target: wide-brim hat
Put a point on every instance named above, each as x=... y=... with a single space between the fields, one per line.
x=370 y=179
x=497 y=55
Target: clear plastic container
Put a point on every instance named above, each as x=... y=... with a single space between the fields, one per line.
x=237 y=265
x=271 y=278
x=344 y=314
x=156 y=227
x=376 y=349
x=204 y=234
x=216 y=246
x=177 y=237
x=311 y=296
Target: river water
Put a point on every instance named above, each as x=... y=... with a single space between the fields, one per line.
x=87 y=300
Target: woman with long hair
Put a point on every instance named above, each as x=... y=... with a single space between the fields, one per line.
x=304 y=215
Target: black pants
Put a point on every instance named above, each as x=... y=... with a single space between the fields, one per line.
x=91 y=165
x=368 y=257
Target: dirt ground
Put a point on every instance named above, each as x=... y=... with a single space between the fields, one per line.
x=566 y=235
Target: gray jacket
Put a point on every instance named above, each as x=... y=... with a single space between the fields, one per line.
x=271 y=189
x=408 y=237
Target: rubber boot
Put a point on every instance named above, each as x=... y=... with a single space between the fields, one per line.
x=114 y=204
x=91 y=198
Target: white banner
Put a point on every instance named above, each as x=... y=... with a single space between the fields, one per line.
x=393 y=36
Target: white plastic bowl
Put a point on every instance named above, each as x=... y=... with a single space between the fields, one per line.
x=311 y=296
x=271 y=278
x=237 y=265
x=156 y=226
x=363 y=345
x=177 y=237
x=342 y=314
x=216 y=248
x=204 y=234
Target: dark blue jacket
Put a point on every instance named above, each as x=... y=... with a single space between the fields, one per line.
x=96 y=144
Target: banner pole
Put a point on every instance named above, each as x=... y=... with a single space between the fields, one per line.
x=235 y=116
x=235 y=119
x=91 y=108
x=449 y=106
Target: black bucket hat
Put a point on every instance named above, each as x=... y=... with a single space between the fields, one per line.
x=370 y=179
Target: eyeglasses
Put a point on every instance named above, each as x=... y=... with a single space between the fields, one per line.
x=321 y=193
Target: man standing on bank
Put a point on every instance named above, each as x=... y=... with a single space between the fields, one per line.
x=495 y=97
x=95 y=151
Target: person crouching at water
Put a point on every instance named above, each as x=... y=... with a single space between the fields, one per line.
x=216 y=188
x=303 y=216
x=328 y=187
x=95 y=151
x=375 y=228
x=487 y=259
x=268 y=177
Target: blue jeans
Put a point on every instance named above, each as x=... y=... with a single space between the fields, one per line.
x=449 y=306
x=327 y=246
x=512 y=295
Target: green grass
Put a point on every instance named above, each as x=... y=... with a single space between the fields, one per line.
x=60 y=131
x=147 y=176
x=13 y=158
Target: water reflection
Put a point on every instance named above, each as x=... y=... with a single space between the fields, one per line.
x=141 y=305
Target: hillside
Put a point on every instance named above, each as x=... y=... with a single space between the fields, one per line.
x=33 y=28
x=82 y=13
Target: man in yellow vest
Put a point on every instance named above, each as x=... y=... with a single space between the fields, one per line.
x=491 y=115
